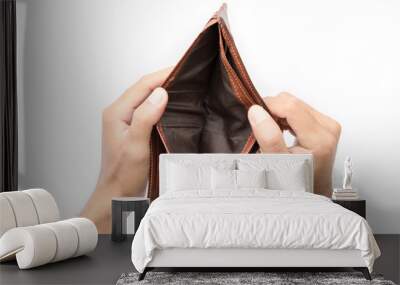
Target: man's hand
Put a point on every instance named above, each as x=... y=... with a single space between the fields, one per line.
x=127 y=126
x=315 y=132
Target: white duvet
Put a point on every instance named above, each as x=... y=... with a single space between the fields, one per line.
x=250 y=219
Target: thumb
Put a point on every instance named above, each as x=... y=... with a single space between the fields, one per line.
x=147 y=115
x=267 y=132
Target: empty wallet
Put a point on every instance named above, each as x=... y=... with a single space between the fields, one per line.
x=209 y=93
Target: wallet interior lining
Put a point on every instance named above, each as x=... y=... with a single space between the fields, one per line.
x=203 y=114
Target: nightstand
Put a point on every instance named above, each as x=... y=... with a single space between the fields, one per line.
x=357 y=206
x=122 y=210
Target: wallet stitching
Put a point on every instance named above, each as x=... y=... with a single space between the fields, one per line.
x=235 y=55
x=162 y=136
x=250 y=142
x=239 y=62
x=256 y=96
x=234 y=81
x=151 y=170
x=233 y=78
x=228 y=39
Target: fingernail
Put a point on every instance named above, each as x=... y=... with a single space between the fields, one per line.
x=257 y=114
x=157 y=96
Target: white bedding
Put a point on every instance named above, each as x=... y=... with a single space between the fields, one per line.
x=251 y=218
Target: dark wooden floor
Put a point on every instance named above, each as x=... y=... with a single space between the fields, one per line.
x=389 y=262
x=110 y=260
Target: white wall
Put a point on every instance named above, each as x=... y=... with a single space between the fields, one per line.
x=75 y=57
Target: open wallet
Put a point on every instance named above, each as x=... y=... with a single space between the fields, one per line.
x=209 y=93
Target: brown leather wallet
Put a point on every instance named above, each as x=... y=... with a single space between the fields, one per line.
x=209 y=92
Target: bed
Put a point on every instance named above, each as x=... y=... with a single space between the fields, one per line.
x=246 y=211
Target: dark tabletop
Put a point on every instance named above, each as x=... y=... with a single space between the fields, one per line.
x=102 y=266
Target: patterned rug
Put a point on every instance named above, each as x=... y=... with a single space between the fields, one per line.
x=269 y=278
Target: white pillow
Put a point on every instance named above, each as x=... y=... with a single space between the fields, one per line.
x=292 y=179
x=251 y=178
x=187 y=177
x=223 y=179
x=288 y=175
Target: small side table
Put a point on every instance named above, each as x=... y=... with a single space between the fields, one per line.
x=122 y=207
x=356 y=206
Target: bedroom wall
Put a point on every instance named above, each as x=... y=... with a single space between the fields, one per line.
x=76 y=57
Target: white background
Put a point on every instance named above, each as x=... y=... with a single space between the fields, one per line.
x=76 y=57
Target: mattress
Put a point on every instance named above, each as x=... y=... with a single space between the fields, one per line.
x=250 y=219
